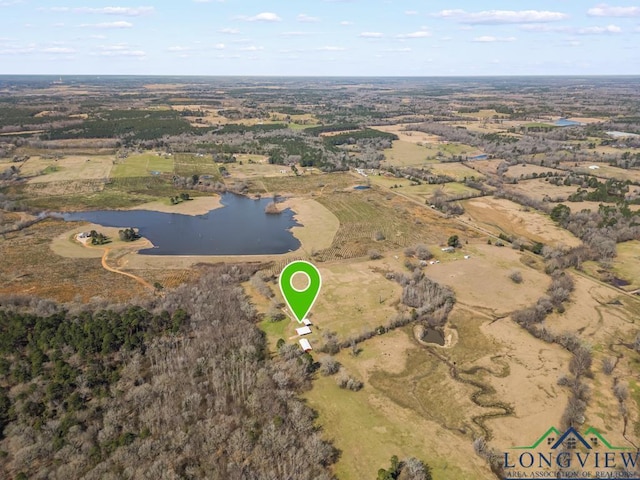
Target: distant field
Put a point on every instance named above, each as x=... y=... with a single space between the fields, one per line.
x=304 y=184
x=607 y=171
x=188 y=164
x=68 y=168
x=626 y=265
x=260 y=168
x=541 y=189
x=424 y=192
x=142 y=165
x=488 y=167
x=455 y=170
x=504 y=216
x=403 y=154
x=409 y=136
x=517 y=171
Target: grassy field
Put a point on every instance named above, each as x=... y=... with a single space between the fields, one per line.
x=405 y=154
x=142 y=165
x=517 y=171
x=626 y=265
x=504 y=216
x=307 y=184
x=27 y=259
x=187 y=164
x=455 y=170
x=423 y=193
x=75 y=167
x=363 y=214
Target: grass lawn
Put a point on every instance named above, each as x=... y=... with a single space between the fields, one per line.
x=142 y=166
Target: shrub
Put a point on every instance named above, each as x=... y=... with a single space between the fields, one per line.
x=375 y=255
x=516 y=276
x=329 y=366
x=608 y=364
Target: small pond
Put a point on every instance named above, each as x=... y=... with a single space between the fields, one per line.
x=240 y=227
x=433 y=335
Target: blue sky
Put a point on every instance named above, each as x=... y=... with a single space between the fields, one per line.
x=320 y=37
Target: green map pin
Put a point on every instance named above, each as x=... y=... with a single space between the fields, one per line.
x=300 y=301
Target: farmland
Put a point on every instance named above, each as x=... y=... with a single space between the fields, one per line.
x=405 y=194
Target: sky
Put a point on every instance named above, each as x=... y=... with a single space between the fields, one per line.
x=320 y=37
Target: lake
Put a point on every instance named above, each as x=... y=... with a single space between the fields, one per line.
x=240 y=227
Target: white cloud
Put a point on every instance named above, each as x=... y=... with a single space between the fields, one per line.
x=208 y=1
x=219 y=46
x=178 y=48
x=303 y=17
x=490 y=39
x=604 y=10
x=346 y=22
x=609 y=29
x=229 y=31
x=544 y=28
x=418 y=34
x=398 y=50
x=371 y=35
x=120 y=24
x=8 y=3
x=493 y=17
x=410 y=12
x=295 y=33
x=330 y=48
x=262 y=17
x=127 y=11
x=120 y=50
x=251 y=48
x=58 y=50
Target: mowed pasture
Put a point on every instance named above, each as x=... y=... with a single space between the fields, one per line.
x=142 y=165
x=407 y=154
x=607 y=171
x=504 y=216
x=523 y=170
x=455 y=170
x=405 y=134
x=74 y=167
x=423 y=193
x=541 y=190
x=626 y=265
x=188 y=164
x=258 y=167
x=367 y=215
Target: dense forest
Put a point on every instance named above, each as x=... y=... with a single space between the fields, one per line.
x=182 y=387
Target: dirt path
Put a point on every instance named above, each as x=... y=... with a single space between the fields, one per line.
x=138 y=279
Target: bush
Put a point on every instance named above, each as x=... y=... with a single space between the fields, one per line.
x=422 y=252
x=375 y=255
x=378 y=236
x=516 y=276
x=349 y=383
x=608 y=364
x=329 y=366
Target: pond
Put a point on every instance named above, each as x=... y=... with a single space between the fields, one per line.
x=240 y=227
x=433 y=335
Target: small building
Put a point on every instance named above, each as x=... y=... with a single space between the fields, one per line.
x=305 y=345
x=594 y=167
x=303 y=331
x=83 y=235
x=306 y=321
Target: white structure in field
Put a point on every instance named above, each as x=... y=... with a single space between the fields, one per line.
x=306 y=321
x=304 y=343
x=303 y=331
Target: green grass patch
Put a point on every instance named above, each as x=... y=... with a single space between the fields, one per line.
x=142 y=165
x=187 y=164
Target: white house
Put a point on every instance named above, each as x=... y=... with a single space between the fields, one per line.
x=306 y=321
x=304 y=343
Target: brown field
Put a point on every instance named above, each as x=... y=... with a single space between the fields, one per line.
x=468 y=278
x=27 y=259
x=487 y=167
x=504 y=216
x=405 y=134
x=455 y=170
x=517 y=171
x=607 y=171
x=541 y=190
x=73 y=167
x=259 y=169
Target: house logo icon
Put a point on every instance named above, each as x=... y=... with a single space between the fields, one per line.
x=557 y=454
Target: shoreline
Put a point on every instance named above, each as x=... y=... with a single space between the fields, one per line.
x=316 y=230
